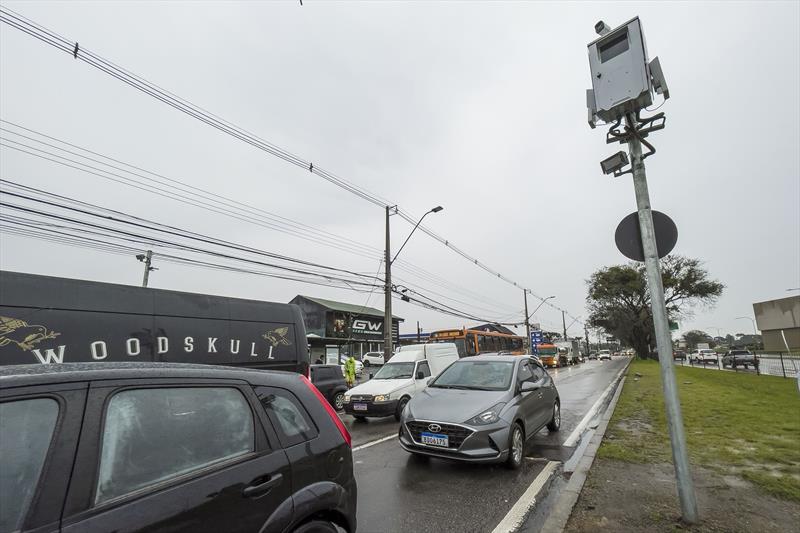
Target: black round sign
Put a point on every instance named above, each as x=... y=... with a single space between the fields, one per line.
x=629 y=238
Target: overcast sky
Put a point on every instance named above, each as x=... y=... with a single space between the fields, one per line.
x=476 y=106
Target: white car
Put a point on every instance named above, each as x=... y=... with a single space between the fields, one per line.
x=372 y=358
x=704 y=356
x=604 y=354
x=359 y=366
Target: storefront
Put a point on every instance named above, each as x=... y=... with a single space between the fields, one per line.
x=339 y=328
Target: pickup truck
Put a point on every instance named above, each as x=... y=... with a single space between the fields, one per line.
x=736 y=358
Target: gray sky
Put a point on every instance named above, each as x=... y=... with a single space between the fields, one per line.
x=477 y=106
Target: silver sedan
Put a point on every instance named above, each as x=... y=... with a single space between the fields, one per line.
x=482 y=409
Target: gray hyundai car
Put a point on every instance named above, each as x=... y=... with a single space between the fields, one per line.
x=482 y=409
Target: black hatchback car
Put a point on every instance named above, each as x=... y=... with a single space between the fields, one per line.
x=330 y=382
x=168 y=447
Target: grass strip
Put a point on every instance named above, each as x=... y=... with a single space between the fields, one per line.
x=736 y=424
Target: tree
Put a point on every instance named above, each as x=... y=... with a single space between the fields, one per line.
x=695 y=336
x=619 y=301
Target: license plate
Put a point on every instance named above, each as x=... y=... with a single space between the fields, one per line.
x=434 y=439
x=359 y=407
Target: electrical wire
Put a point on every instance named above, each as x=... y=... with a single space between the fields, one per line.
x=61 y=43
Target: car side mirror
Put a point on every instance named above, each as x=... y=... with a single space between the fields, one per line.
x=528 y=386
x=420 y=375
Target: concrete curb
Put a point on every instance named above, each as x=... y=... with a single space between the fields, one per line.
x=562 y=508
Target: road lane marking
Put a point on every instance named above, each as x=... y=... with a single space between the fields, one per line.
x=578 y=431
x=517 y=514
x=374 y=442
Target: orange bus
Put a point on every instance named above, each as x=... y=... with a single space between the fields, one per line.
x=474 y=342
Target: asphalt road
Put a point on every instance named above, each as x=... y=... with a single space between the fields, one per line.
x=400 y=493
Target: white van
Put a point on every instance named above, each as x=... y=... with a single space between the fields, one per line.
x=406 y=373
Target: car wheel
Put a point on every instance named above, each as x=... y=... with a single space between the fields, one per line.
x=400 y=406
x=366 y=363
x=555 y=422
x=516 y=447
x=338 y=401
x=317 y=526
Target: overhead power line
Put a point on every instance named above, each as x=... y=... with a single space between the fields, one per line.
x=170 y=188
x=70 y=46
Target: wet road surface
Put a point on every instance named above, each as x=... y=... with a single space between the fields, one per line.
x=398 y=492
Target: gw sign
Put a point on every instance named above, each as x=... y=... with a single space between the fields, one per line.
x=363 y=326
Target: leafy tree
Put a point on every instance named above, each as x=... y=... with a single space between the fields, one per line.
x=619 y=301
x=695 y=336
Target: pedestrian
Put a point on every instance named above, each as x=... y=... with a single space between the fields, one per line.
x=318 y=361
x=350 y=371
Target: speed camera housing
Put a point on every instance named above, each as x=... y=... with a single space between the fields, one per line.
x=620 y=72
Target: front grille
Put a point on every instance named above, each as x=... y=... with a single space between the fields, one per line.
x=455 y=434
x=361 y=398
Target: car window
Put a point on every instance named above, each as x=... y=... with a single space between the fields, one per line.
x=525 y=373
x=288 y=415
x=424 y=368
x=538 y=373
x=26 y=430
x=152 y=435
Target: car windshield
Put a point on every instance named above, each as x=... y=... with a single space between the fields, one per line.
x=395 y=371
x=476 y=375
x=740 y=352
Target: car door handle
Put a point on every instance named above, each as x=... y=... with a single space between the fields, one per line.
x=541 y=396
x=253 y=491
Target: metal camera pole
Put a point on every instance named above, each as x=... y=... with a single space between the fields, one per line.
x=680 y=457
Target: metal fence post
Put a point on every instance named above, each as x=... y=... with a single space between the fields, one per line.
x=783 y=368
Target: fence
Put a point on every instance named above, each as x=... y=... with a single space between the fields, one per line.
x=781 y=364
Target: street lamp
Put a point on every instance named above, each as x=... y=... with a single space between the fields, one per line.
x=387 y=288
x=755 y=331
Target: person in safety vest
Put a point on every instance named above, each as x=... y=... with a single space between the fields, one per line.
x=350 y=371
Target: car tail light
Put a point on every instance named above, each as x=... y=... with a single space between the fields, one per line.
x=329 y=409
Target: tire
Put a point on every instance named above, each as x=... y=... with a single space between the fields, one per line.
x=555 y=422
x=338 y=401
x=400 y=406
x=366 y=363
x=317 y=526
x=516 y=447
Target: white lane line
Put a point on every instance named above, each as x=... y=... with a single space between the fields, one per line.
x=374 y=442
x=576 y=433
x=517 y=514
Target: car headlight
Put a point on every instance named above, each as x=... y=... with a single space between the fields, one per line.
x=346 y=398
x=489 y=416
x=381 y=398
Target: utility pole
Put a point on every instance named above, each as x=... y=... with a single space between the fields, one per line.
x=680 y=456
x=387 y=289
x=147 y=259
x=419 y=335
x=564 y=324
x=527 y=321
x=586 y=335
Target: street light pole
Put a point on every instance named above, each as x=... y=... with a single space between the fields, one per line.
x=755 y=331
x=527 y=320
x=388 y=338
x=680 y=456
x=564 y=324
x=147 y=259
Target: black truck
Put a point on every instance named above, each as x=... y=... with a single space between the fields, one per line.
x=47 y=320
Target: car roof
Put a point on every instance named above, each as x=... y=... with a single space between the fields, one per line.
x=495 y=357
x=21 y=375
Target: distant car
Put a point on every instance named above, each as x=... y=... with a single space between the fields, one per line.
x=604 y=355
x=704 y=356
x=359 y=365
x=170 y=447
x=482 y=409
x=736 y=358
x=330 y=382
x=372 y=358
x=593 y=355
x=679 y=355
